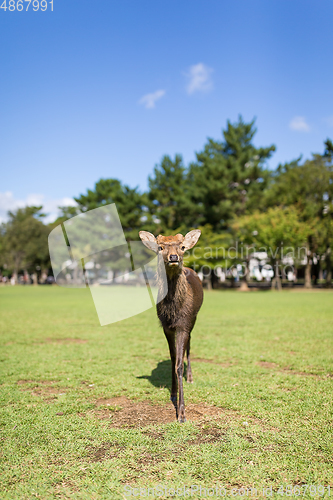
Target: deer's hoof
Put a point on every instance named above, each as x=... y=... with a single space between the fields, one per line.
x=182 y=420
x=190 y=380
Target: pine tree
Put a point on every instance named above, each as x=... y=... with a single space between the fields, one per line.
x=169 y=197
x=308 y=187
x=131 y=205
x=229 y=177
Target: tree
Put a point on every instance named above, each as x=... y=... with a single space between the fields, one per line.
x=328 y=153
x=213 y=251
x=229 y=177
x=279 y=232
x=2 y=237
x=131 y=205
x=24 y=240
x=170 y=203
x=308 y=187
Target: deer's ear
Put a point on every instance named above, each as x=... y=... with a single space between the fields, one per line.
x=148 y=240
x=191 y=238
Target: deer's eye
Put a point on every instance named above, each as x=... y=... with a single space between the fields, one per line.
x=160 y=248
x=183 y=248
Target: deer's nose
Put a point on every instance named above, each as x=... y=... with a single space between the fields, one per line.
x=173 y=258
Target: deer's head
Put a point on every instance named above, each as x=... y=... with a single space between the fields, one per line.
x=171 y=248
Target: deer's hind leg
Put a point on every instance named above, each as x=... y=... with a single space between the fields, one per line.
x=189 y=375
x=171 y=338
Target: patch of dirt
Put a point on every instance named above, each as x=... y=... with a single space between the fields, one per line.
x=124 y=412
x=148 y=458
x=65 y=489
x=267 y=364
x=202 y=360
x=295 y=372
x=104 y=451
x=210 y=435
x=37 y=382
x=153 y=434
x=211 y=361
x=249 y=439
x=43 y=388
x=201 y=411
x=286 y=369
x=65 y=340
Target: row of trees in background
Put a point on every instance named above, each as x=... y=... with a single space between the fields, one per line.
x=228 y=192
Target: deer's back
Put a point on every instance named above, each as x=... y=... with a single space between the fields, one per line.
x=196 y=286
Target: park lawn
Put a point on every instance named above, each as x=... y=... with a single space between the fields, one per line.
x=262 y=396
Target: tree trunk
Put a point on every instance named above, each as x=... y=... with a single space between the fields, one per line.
x=246 y=277
x=213 y=279
x=76 y=275
x=44 y=274
x=307 y=281
x=209 y=283
x=244 y=286
x=328 y=268
x=276 y=281
x=26 y=277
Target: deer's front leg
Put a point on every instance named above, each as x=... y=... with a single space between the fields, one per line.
x=171 y=338
x=181 y=343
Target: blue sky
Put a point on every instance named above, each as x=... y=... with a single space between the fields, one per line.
x=104 y=88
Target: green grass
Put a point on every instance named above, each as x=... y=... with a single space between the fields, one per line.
x=264 y=357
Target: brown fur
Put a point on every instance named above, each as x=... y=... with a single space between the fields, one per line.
x=178 y=310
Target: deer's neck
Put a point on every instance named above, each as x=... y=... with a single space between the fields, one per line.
x=174 y=299
x=177 y=287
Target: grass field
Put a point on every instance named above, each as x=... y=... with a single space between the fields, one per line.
x=85 y=409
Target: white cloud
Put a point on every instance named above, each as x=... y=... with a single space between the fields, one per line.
x=149 y=100
x=299 y=123
x=9 y=203
x=199 y=78
x=329 y=120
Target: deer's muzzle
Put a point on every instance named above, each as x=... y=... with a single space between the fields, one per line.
x=173 y=259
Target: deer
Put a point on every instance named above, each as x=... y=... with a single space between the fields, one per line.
x=177 y=310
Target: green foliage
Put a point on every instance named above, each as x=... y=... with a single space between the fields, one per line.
x=228 y=186
x=212 y=250
x=169 y=196
x=24 y=240
x=229 y=177
x=275 y=231
x=130 y=203
x=307 y=186
x=328 y=148
x=66 y=212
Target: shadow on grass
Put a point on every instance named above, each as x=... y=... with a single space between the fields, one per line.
x=161 y=375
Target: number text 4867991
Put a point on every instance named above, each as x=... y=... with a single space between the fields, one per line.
x=24 y=5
